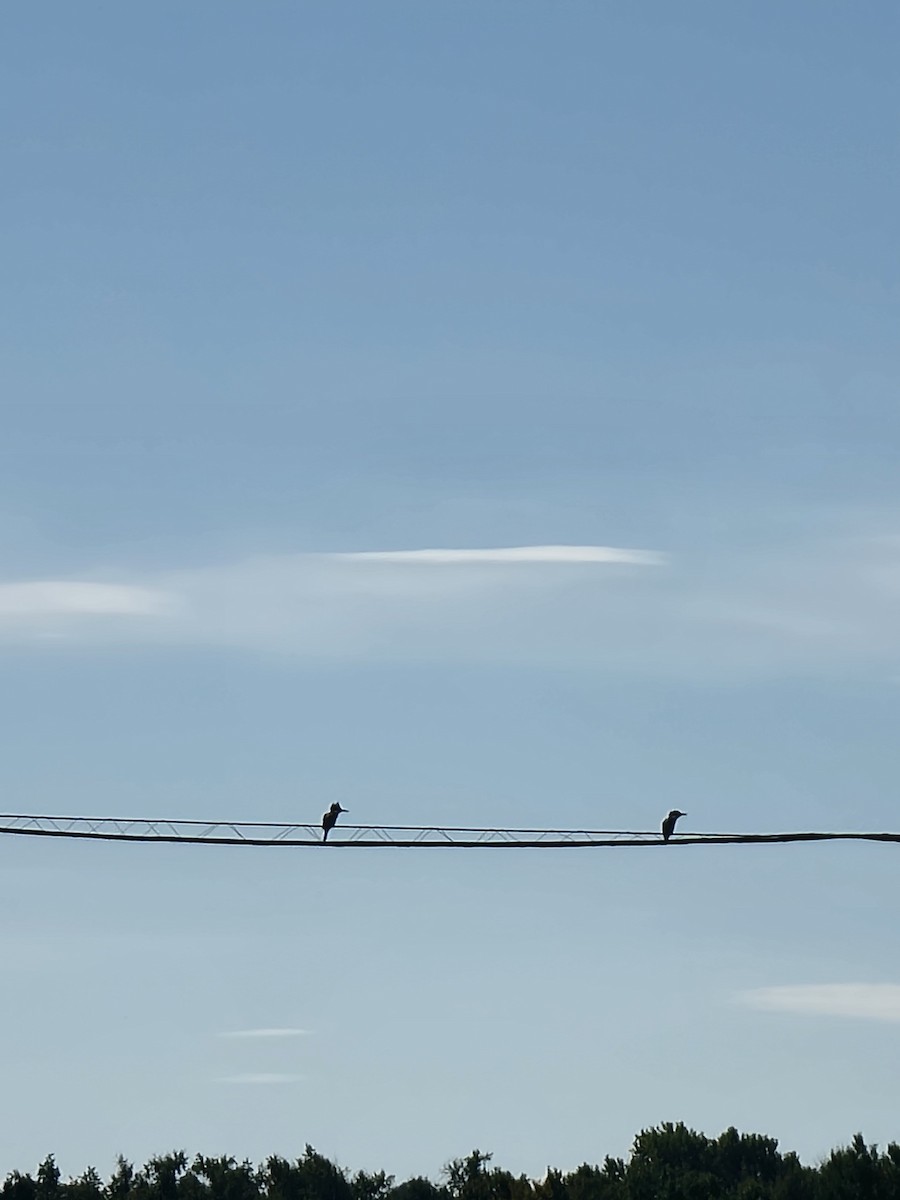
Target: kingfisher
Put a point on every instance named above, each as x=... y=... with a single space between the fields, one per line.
x=330 y=820
x=668 y=825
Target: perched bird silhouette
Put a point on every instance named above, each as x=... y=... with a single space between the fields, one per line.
x=330 y=820
x=668 y=825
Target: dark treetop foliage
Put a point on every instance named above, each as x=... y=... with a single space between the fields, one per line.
x=668 y=1163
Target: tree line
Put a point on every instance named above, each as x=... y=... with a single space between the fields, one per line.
x=669 y=1162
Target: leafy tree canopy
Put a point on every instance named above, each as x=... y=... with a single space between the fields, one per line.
x=669 y=1162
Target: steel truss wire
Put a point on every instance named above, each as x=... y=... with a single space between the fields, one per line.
x=253 y=833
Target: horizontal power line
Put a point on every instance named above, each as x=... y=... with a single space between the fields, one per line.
x=268 y=833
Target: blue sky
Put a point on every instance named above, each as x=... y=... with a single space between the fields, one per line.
x=287 y=284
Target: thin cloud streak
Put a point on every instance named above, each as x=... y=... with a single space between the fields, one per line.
x=500 y=603
x=51 y=597
x=266 y=1033
x=555 y=555
x=261 y=1078
x=863 y=1001
x=822 y=605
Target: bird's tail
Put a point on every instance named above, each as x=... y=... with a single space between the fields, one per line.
x=324 y=835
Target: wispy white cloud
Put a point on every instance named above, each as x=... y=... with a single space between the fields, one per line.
x=51 y=597
x=261 y=1078
x=864 y=1001
x=511 y=554
x=346 y=606
x=816 y=606
x=266 y=1033
x=379 y=605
